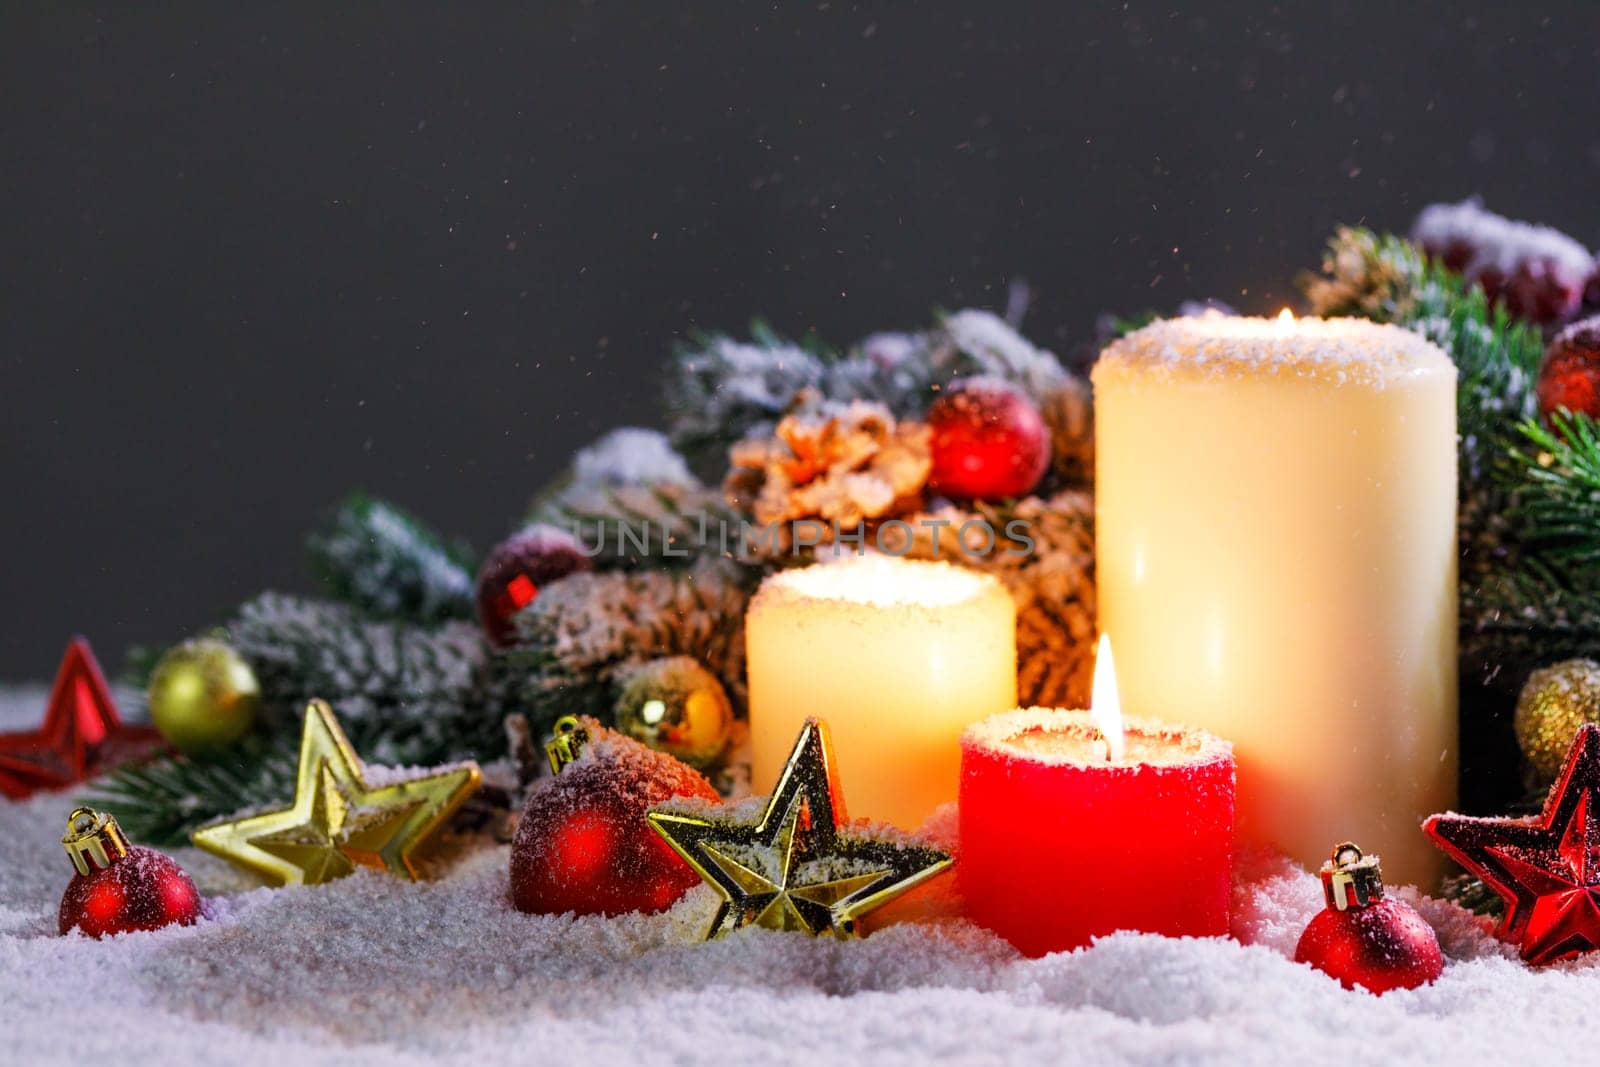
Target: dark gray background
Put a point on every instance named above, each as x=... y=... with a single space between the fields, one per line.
x=252 y=259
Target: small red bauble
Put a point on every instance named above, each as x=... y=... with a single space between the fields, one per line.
x=119 y=888
x=510 y=578
x=1569 y=377
x=989 y=440
x=1362 y=937
x=583 y=844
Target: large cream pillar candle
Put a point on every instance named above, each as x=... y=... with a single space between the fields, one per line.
x=1276 y=516
x=898 y=656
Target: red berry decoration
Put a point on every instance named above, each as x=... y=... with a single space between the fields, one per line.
x=510 y=578
x=1537 y=272
x=1569 y=377
x=989 y=440
x=583 y=844
x=120 y=887
x=1362 y=937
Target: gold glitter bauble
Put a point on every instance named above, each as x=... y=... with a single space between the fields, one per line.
x=676 y=706
x=1555 y=702
x=203 y=695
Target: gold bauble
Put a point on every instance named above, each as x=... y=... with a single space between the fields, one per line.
x=1555 y=702
x=676 y=706
x=203 y=695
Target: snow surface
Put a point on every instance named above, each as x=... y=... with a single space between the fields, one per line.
x=376 y=970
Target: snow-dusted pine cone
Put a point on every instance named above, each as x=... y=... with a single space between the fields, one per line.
x=582 y=634
x=847 y=465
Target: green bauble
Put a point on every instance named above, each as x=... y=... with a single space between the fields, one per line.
x=203 y=695
x=676 y=706
x=1555 y=701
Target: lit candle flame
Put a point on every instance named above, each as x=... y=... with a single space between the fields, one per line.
x=1285 y=321
x=1105 y=707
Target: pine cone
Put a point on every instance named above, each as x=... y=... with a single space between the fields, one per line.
x=584 y=633
x=845 y=465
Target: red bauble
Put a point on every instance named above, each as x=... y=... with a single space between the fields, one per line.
x=989 y=440
x=583 y=844
x=1545 y=867
x=1382 y=947
x=1570 y=375
x=119 y=887
x=1362 y=937
x=510 y=578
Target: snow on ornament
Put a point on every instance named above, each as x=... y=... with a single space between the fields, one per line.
x=797 y=864
x=1364 y=938
x=1569 y=376
x=1545 y=867
x=989 y=440
x=1537 y=272
x=583 y=845
x=118 y=887
x=514 y=572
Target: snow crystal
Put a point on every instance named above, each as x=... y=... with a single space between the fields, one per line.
x=1214 y=346
x=375 y=970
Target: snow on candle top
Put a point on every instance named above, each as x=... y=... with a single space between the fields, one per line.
x=1217 y=347
x=1057 y=737
x=876 y=581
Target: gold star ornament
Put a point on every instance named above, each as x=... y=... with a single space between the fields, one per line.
x=793 y=868
x=338 y=821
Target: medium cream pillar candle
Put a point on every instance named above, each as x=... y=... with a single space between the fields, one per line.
x=1276 y=516
x=898 y=656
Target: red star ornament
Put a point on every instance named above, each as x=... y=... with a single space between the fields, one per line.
x=81 y=734
x=1545 y=866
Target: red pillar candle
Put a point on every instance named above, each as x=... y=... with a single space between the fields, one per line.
x=1061 y=843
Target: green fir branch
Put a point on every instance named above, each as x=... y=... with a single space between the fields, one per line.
x=160 y=802
x=385 y=561
x=1555 y=479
